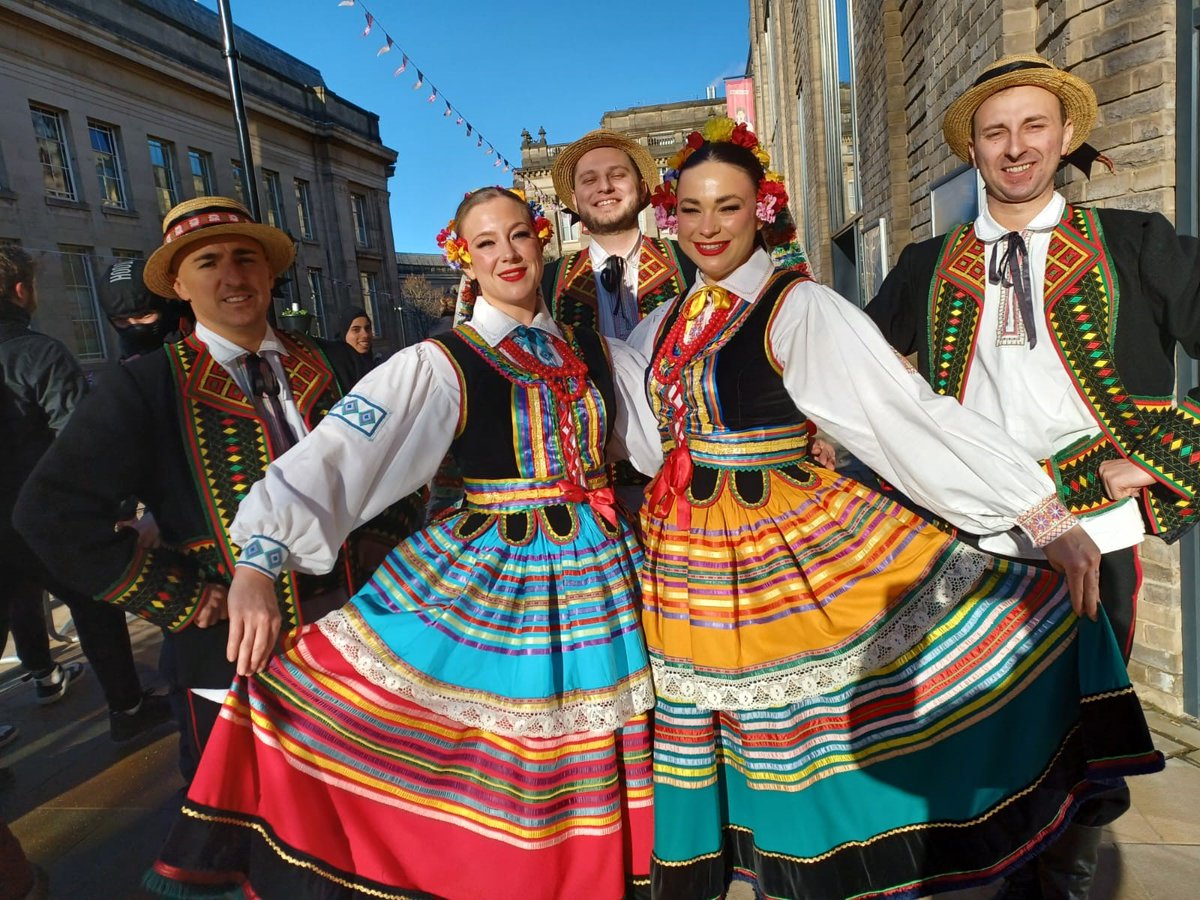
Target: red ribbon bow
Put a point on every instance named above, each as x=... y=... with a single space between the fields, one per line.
x=602 y=500
x=670 y=486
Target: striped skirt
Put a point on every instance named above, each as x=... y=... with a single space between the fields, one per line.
x=852 y=704
x=472 y=724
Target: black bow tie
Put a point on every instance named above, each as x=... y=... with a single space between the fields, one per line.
x=1011 y=270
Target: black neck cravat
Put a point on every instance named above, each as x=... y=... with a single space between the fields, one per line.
x=264 y=392
x=612 y=276
x=1010 y=269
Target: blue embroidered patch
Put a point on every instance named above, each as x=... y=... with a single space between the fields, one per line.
x=360 y=414
x=264 y=554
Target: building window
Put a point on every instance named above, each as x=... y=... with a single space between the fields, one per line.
x=304 y=210
x=239 y=181
x=274 y=192
x=79 y=287
x=358 y=208
x=118 y=253
x=837 y=33
x=370 y=293
x=568 y=230
x=316 y=293
x=663 y=139
x=51 y=133
x=110 y=173
x=166 y=183
x=203 y=182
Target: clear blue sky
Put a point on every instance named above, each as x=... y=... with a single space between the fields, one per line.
x=506 y=66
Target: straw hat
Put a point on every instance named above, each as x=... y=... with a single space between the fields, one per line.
x=563 y=171
x=206 y=217
x=1076 y=95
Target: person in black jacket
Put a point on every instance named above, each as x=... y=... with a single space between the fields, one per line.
x=198 y=421
x=1059 y=323
x=42 y=385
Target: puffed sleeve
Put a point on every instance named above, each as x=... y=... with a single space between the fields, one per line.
x=635 y=433
x=382 y=441
x=841 y=372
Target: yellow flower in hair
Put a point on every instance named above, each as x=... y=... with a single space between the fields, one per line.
x=718 y=129
x=763 y=156
x=519 y=192
x=773 y=176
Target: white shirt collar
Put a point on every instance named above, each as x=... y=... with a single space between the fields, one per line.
x=227 y=353
x=747 y=280
x=494 y=326
x=988 y=229
x=600 y=255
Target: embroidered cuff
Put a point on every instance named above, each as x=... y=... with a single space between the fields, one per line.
x=1046 y=522
x=264 y=555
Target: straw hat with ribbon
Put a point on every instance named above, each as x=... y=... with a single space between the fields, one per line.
x=1077 y=96
x=563 y=171
x=207 y=217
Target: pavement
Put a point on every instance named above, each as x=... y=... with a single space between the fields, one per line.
x=93 y=814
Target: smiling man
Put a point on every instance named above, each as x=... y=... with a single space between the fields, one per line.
x=198 y=422
x=1017 y=315
x=623 y=275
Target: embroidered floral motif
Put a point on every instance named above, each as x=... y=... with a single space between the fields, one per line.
x=1046 y=522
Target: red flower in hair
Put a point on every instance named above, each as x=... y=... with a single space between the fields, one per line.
x=744 y=137
x=663 y=197
x=695 y=140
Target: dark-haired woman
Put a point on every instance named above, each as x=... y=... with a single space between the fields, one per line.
x=473 y=723
x=850 y=703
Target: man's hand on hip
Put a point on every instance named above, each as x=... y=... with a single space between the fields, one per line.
x=1123 y=479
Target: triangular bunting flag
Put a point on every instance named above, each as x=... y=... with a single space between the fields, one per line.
x=448 y=110
x=346 y=3
x=386 y=47
x=370 y=22
x=433 y=96
x=403 y=64
x=420 y=80
x=468 y=129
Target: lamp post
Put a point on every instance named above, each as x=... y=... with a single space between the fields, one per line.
x=229 y=51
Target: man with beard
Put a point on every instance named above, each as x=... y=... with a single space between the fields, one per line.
x=606 y=178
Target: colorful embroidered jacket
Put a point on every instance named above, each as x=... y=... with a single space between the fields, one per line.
x=569 y=285
x=174 y=430
x=1121 y=288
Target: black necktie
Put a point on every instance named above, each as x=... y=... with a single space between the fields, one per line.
x=612 y=276
x=264 y=392
x=1011 y=270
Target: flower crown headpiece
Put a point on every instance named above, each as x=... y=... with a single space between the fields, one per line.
x=454 y=248
x=771 y=199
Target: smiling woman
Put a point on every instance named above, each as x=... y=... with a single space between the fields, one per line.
x=821 y=655
x=473 y=722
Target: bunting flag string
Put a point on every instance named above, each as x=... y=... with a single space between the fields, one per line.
x=451 y=110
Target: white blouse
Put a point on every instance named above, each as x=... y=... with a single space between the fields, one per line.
x=842 y=374
x=386 y=439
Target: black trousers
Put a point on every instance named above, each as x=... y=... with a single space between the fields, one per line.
x=21 y=613
x=103 y=634
x=1120 y=582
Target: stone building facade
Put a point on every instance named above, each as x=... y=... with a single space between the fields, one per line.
x=850 y=96
x=112 y=110
x=661 y=129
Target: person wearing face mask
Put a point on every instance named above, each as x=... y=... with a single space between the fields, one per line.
x=143 y=320
x=850 y=702
x=473 y=722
